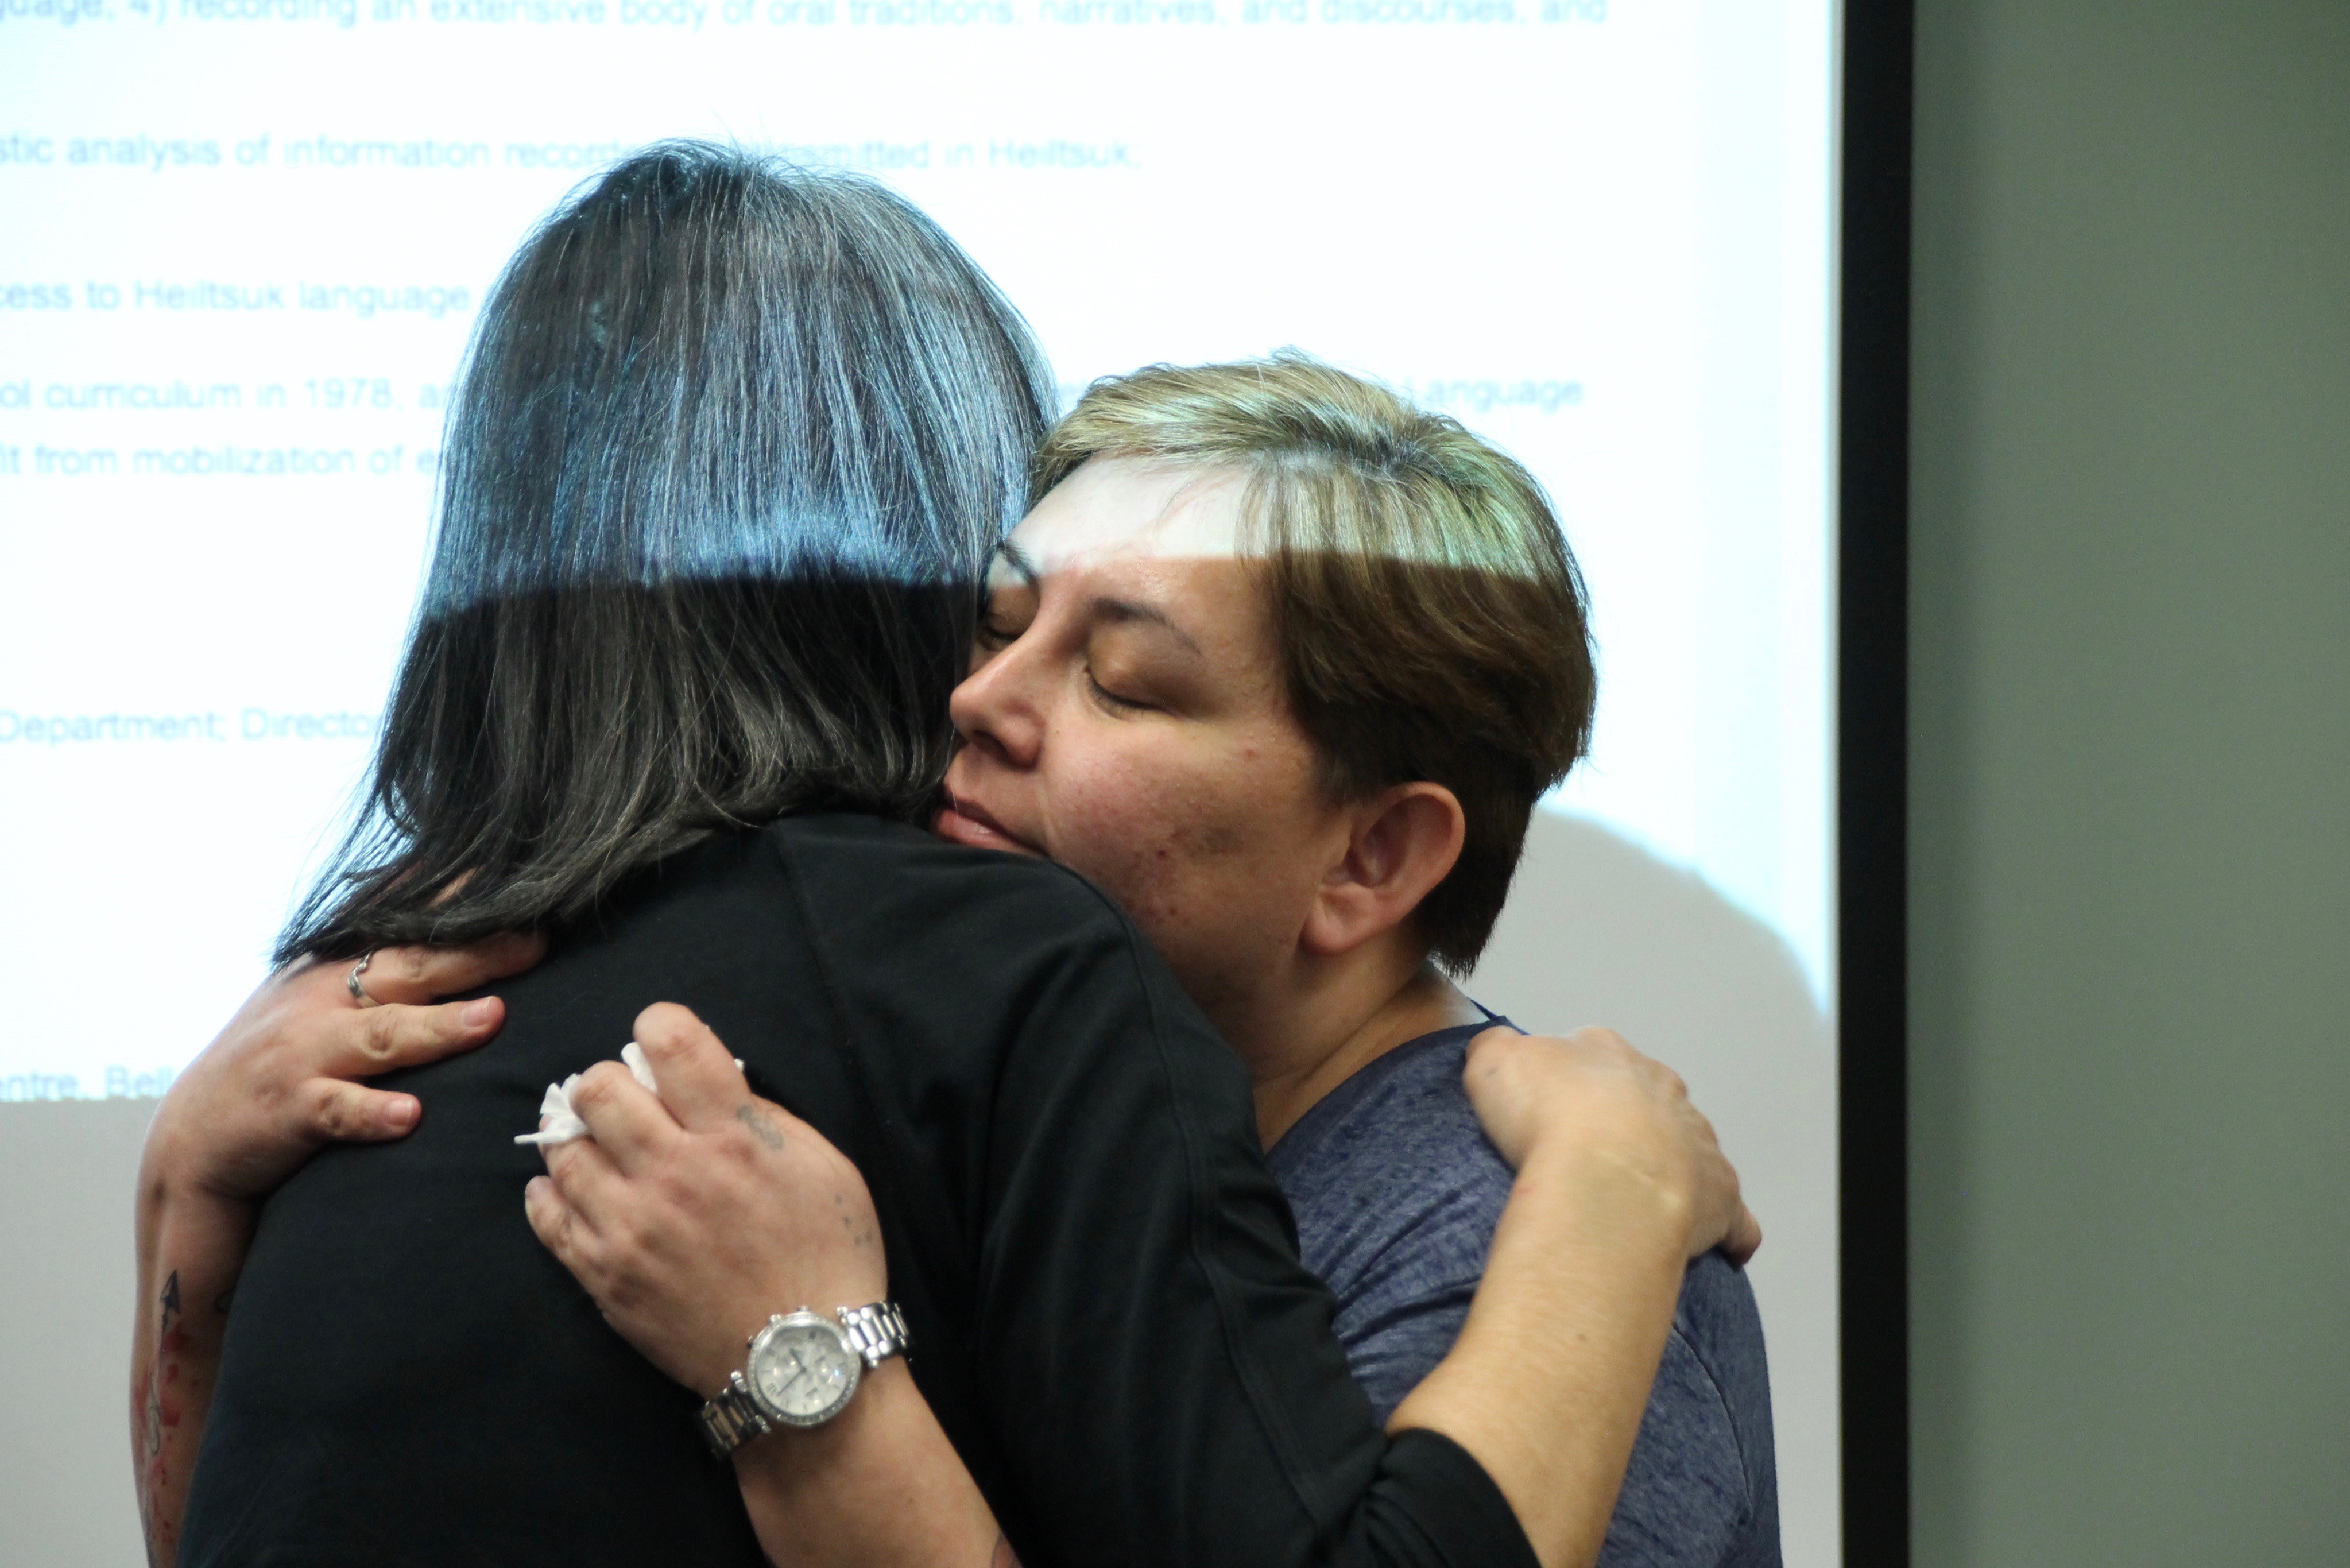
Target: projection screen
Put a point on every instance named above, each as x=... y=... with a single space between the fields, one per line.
x=247 y=239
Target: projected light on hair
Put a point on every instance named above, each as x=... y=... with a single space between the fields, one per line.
x=708 y=368
x=730 y=451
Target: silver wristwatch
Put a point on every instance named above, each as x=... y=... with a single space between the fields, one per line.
x=802 y=1372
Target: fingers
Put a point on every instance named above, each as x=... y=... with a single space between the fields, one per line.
x=584 y=1177
x=1604 y=1046
x=370 y=1040
x=415 y=974
x=334 y=1111
x=699 y=1081
x=550 y=1218
x=1486 y=1041
x=1745 y=1237
x=559 y=1227
x=632 y=1126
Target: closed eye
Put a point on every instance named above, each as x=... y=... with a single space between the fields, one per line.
x=997 y=632
x=1113 y=702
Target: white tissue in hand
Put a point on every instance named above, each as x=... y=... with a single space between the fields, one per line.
x=563 y=1123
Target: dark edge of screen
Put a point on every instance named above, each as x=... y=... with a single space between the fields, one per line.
x=1872 y=779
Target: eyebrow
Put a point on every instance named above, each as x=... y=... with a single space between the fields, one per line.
x=1126 y=610
x=1121 y=611
x=1011 y=556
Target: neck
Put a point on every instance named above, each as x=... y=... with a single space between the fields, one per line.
x=1338 y=1017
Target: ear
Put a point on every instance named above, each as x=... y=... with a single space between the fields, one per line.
x=1404 y=841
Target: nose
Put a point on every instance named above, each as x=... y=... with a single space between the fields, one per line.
x=995 y=710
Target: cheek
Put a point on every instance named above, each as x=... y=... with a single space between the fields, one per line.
x=1136 y=834
x=1187 y=855
x=1129 y=828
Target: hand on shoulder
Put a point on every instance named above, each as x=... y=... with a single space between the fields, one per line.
x=1589 y=1095
x=283 y=1078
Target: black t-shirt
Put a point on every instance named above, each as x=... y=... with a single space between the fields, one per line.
x=1109 y=1317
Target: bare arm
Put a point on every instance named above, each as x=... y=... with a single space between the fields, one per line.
x=277 y=1083
x=688 y=1220
x=196 y=1247
x=880 y=1485
x=1619 y=1183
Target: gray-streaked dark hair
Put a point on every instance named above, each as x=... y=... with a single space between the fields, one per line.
x=733 y=444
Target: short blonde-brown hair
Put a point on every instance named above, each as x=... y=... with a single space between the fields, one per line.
x=1432 y=621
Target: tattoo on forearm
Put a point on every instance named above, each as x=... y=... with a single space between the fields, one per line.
x=158 y=1412
x=154 y=1418
x=762 y=1125
x=848 y=1224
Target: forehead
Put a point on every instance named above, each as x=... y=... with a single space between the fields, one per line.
x=1133 y=509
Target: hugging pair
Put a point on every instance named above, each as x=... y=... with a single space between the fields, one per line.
x=1051 y=1072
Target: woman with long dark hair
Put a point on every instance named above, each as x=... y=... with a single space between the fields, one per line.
x=732 y=448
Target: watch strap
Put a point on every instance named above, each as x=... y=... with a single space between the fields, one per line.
x=733 y=1417
x=877 y=1332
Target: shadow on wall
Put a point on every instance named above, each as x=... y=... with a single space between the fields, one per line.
x=1598 y=930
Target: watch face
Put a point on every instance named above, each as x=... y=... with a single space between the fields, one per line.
x=803 y=1369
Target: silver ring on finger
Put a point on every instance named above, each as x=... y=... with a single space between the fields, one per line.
x=352 y=982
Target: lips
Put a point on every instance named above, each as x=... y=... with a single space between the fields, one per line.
x=961 y=821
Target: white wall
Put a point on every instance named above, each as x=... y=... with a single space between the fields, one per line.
x=64 y=1334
